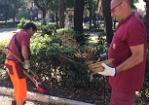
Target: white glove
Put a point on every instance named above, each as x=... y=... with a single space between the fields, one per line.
x=108 y=71
x=26 y=64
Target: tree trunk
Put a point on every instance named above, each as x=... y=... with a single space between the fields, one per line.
x=78 y=15
x=56 y=18
x=44 y=12
x=108 y=20
x=14 y=17
x=92 y=16
x=6 y=17
x=90 y=3
x=61 y=13
x=14 y=20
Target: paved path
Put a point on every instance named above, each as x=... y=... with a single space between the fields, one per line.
x=6 y=33
x=4 y=100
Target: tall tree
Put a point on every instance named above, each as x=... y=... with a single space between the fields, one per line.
x=69 y=3
x=92 y=4
x=78 y=15
x=108 y=20
x=15 y=6
x=61 y=13
x=58 y=8
x=78 y=21
x=44 y=6
x=5 y=9
x=55 y=8
x=9 y=8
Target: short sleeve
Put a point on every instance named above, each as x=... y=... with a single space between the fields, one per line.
x=136 y=34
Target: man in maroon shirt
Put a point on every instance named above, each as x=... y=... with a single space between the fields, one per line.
x=19 y=47
x=128 y=51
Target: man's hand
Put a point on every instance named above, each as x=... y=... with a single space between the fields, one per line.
x=26 y=65
x=97 y=67
x=108 y=71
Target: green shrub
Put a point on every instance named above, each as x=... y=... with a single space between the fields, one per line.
x=8 y=24
x=3 y=44
x=22 y=22
x=2 y=57
x=81 y=39
x=46 y=29
x=101 y=45
x=52 y=60
x=65 y=30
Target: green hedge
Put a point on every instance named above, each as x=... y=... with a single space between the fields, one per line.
x=3 y=44
x=50 y=60
x=8 y=24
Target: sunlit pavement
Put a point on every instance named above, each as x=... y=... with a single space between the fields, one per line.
x=7 y=33
x=4 y=100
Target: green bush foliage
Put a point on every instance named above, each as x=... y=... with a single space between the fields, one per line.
x=2 y=57
x=8 y=24
x=46 y=29
x=80 y=38
x=22 y=22
x=56 y=62
x=101 y=45
x=3 y=44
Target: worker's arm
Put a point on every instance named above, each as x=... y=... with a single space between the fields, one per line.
x=25 y=55
x=136 y=58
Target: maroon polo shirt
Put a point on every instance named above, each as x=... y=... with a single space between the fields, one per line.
x=130 y=32
x=23 y=39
